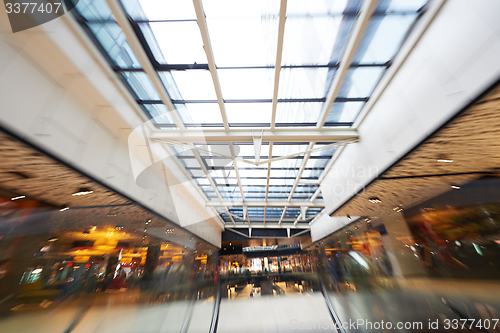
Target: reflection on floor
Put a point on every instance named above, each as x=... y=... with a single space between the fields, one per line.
x=295 y=313
x=245 y=292
x=124 y=312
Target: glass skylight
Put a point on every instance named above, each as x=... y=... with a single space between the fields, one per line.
x=245 y=84
x=250 y=113
x=194 y=84
x=315 y=40
x=243 y=39
x=179 y=42
x=305 y=82
x=153 y=10
x=298 y=112
x=199 y=113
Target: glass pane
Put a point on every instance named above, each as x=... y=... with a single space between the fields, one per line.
x=178 y=42
x=281 y=182
x=230 y=181
x=197 y=173
x=244 y=173
x=360 y=82
x=248 y=41
x=400 y=5
x=311 y=173
x=323 y=7
x=290 y=163
x=323 y=152
x=247 y=151
x=246 y=83
x=298 y=112
x=240 y=8
x=187 y=153
x=383 y=38
x=202 y=181
x=249 y=112
x=159 y=113
x=191 y=163
x=344 y=112
x=279 y=173
x=280 y=189
x=315 y=40
x=243 y=33
x=112 y=39
x=285 y=150
x=94 y=10
x=306 y=188
x=141 y=85
x=160 y=10
x=316 y=163
x=305 y=82
x=253 y=182
x=256 y=196
x=199 y=113
x=170 y=85
x=194 y=84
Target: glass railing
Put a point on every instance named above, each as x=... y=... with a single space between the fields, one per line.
x=101 y=269
x=433 y=267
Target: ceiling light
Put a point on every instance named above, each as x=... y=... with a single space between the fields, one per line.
x=443 y=158
x=456 y=187
x=52 y=239
x=63 y=208
x=375 y=200
x=83 y=191
x=19 y=197
x=398 y=209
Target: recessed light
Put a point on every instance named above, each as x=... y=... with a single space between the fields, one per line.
x=19 y=197
x=456 y=187
x=442 y=160
x=83 y=191
x=398 y=209
x=63 y=208
x=375 y=200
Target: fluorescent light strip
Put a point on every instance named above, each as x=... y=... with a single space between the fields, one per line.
x=83 y=193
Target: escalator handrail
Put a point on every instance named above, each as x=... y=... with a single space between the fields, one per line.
x=333 y=313
x=215 y=315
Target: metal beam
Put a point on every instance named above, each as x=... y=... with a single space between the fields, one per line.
x=207 y=45
x=135 y=44
x=279 y=54
x=301 y=170
x=264 y=203
x=268 y=177
x=246 y=135
x=282 y=215
x=345 y=63
x=267 y=226
x=229 y=214
x=207 y=173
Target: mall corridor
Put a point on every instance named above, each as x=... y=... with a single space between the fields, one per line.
x=249 y=166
